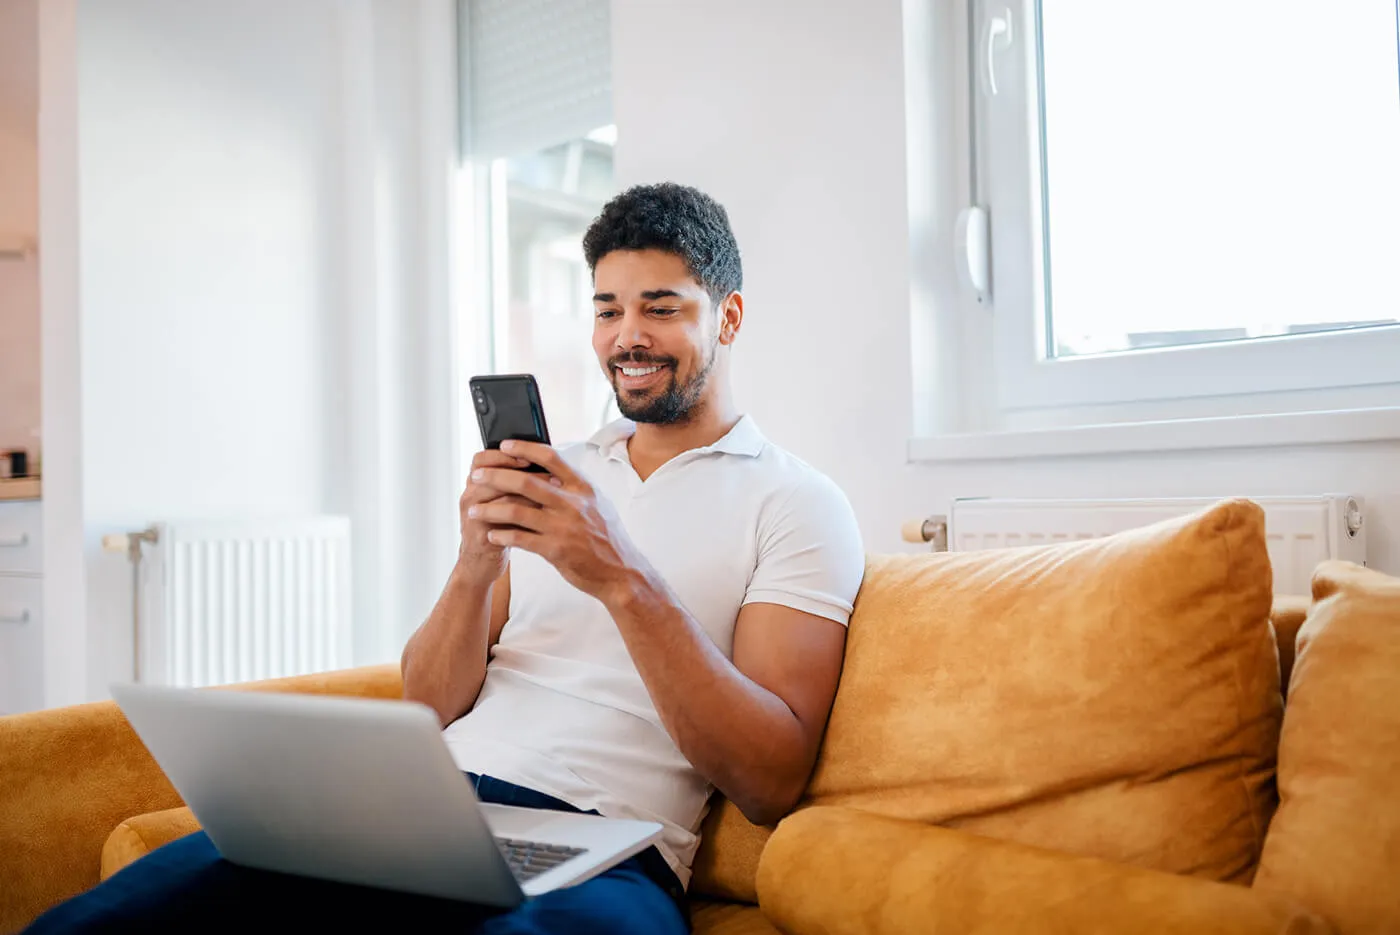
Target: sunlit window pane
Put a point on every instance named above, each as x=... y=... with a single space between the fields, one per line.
x=1218 y=170
x=542 y=307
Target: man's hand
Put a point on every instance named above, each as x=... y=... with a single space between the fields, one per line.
x=559 y=517
x=482 y=560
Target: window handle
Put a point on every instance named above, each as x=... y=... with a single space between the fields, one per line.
x=996 y=37
x=973 y=242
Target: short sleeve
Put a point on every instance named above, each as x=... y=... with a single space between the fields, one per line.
x=810 y=554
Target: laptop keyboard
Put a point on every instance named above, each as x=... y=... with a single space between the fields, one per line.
x=529 y=859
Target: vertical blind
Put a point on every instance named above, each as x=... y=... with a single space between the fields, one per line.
x=534 y=73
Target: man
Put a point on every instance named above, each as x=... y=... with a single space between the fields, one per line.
x=661 y=614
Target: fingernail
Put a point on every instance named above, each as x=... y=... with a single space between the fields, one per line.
x=508 y=445
x=556 y=482
x=473 y=511
x=478 y=474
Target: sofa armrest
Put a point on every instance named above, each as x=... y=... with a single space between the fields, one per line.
x=138 y=835
x=381 y=681
x=71 y=775
x=835 y=871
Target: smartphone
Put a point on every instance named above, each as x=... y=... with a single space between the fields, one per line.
x=508 y=406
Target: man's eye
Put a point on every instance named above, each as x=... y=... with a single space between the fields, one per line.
x=607 y=313
x=664 y=311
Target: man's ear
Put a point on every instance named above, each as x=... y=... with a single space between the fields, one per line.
x=731 y=317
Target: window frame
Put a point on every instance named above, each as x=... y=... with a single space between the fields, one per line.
x=1011 y=165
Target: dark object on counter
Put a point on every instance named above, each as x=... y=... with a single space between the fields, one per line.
x=18 y=460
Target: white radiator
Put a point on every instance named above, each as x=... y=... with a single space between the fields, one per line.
x=1301 y=531
x=221 y=602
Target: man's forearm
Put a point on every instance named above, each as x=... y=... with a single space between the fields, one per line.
x=739 y=735
x=444 y=662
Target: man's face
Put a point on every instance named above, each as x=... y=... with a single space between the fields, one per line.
x=654 y=332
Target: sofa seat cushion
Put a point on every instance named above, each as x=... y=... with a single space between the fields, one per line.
x=1114 y=698
x=724 y=918
x=1334 y=844
x=838 y=871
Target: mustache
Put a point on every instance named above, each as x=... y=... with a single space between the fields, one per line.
x=635 y=359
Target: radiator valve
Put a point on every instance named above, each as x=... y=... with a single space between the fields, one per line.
x=932 y=529
x=130 y=543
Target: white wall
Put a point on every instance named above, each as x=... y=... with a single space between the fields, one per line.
x=19 y=216
x=210 y=212
x=796 y=122
x=209 y=219
x=254 y=224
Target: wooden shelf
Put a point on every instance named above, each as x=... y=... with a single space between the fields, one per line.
x=20 y=488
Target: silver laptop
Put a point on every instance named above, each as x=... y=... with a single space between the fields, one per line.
x=360 y=791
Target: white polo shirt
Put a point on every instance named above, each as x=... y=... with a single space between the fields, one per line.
x=563 y=710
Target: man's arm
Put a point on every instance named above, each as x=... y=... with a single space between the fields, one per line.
x=752 y=727
x=444 y=663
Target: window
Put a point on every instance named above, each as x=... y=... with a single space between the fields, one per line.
x=538 y=145
x=1189 y=199
x=541 y=304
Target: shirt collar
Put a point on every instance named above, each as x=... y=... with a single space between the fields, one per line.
x=743 y=439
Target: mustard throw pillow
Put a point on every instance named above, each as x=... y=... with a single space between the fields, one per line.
x=1114 y=698
x=1334 y=845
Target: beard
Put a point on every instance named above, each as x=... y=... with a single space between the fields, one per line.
x=674 y=402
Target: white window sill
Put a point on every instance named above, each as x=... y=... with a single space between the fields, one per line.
x=1252 y=431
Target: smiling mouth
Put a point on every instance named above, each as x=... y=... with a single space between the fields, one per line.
x=638 y=378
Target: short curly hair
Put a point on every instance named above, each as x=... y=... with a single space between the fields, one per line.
x=677 y=219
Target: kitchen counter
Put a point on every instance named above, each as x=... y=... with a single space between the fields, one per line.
x=20 y=488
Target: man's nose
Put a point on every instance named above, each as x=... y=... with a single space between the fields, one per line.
x=633 y=333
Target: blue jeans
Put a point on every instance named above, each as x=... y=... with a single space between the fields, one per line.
x=186 y=886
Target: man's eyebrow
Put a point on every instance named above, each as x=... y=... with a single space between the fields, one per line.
x=651 y=295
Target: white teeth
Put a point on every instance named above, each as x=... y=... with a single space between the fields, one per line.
x=639 y=372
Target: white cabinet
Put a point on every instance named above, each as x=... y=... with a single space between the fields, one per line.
x=21 y=610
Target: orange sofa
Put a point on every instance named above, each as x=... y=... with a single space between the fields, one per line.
x=1086 y=737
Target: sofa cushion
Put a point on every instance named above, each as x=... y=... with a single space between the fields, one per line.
x=839 y=871
x=137 y=836
x=1115 y=698
x=726 y=864
x=721 y=918
x=1334 y=844
x=1287 y=617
